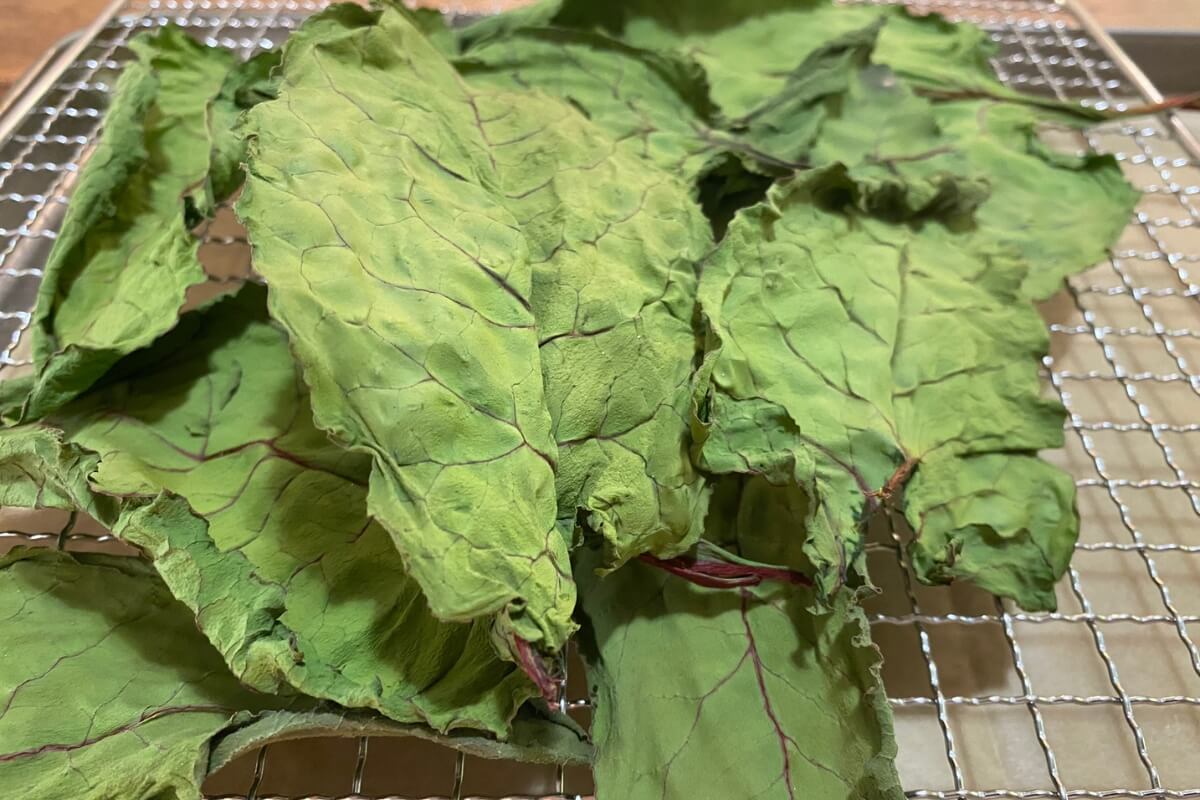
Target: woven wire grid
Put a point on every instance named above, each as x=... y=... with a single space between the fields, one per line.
x=1100 y=699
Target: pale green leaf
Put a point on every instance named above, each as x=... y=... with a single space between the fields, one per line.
x=850 y=351
x=1056 y=212
x=615 y=243
x=107 y=690
x=246 y=85
x=111 y=692
x=731 y=693
x=126 y=227
x=373 y=210
x=274 y=552
x=750 y=48
x=1006 y=522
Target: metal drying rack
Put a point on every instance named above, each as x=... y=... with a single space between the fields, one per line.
x=1098 y=700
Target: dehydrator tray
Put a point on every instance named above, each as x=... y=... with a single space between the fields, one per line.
x=1100 y=699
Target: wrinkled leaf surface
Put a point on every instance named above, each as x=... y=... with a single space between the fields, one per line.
x=374 y=212
x=856 y=352
x=274 y=552
x=127 y=227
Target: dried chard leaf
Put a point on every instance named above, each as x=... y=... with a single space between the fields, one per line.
x=108 y=690
x=750 y=48
x=127 y=227
x=752 y=52
x=273 y=550
x=610 y=246
x=152 y=708
x=655 y=105
x=614 y=245
x=851 y=352
x=1057 y=212
x=789 y=121
x=405 y=286
x=247 y=84
x=764 y=699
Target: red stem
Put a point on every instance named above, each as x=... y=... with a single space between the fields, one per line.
x=723 y=575
x=535 y=667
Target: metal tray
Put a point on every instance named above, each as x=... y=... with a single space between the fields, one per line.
x=1098 y=700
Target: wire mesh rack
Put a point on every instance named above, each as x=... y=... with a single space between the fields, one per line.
x=1100 y=699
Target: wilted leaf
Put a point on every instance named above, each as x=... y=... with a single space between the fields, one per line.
x=1057 y=212
x=731 y=693
x=126 y=227
x=614 y=245
x=655 y=105
x=109 y=691
x=373 y=210
x=106 y=688
x=246 y=85
x=274 y=552
x=853 y=352
x=751 y=48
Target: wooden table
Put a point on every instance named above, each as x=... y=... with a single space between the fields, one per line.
x=28 y=27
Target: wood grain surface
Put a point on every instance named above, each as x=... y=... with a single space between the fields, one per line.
x=28 y=27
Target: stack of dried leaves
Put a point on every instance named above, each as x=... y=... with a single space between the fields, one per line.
x=621 y=320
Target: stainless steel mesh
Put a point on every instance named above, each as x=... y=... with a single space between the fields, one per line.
x=1098 y=700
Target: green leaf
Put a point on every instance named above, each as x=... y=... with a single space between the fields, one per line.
x=246 y=85
x=754 y=49
x=731 y=693
x=1056 y=212
x=106 y=688
x=655 y=105
x=1059 y=212
x=614 y=244
x=1006 y=522
x=788 y=121
x=405 y=285
x=433 y=24
x=126 y=227
x=152 y=709
x=750 y=48
x=851 y=352
x=615 y=354
x=274 y=551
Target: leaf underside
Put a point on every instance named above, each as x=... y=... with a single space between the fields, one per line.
x=258 y=523
x=760 y=698
x=136 y=693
